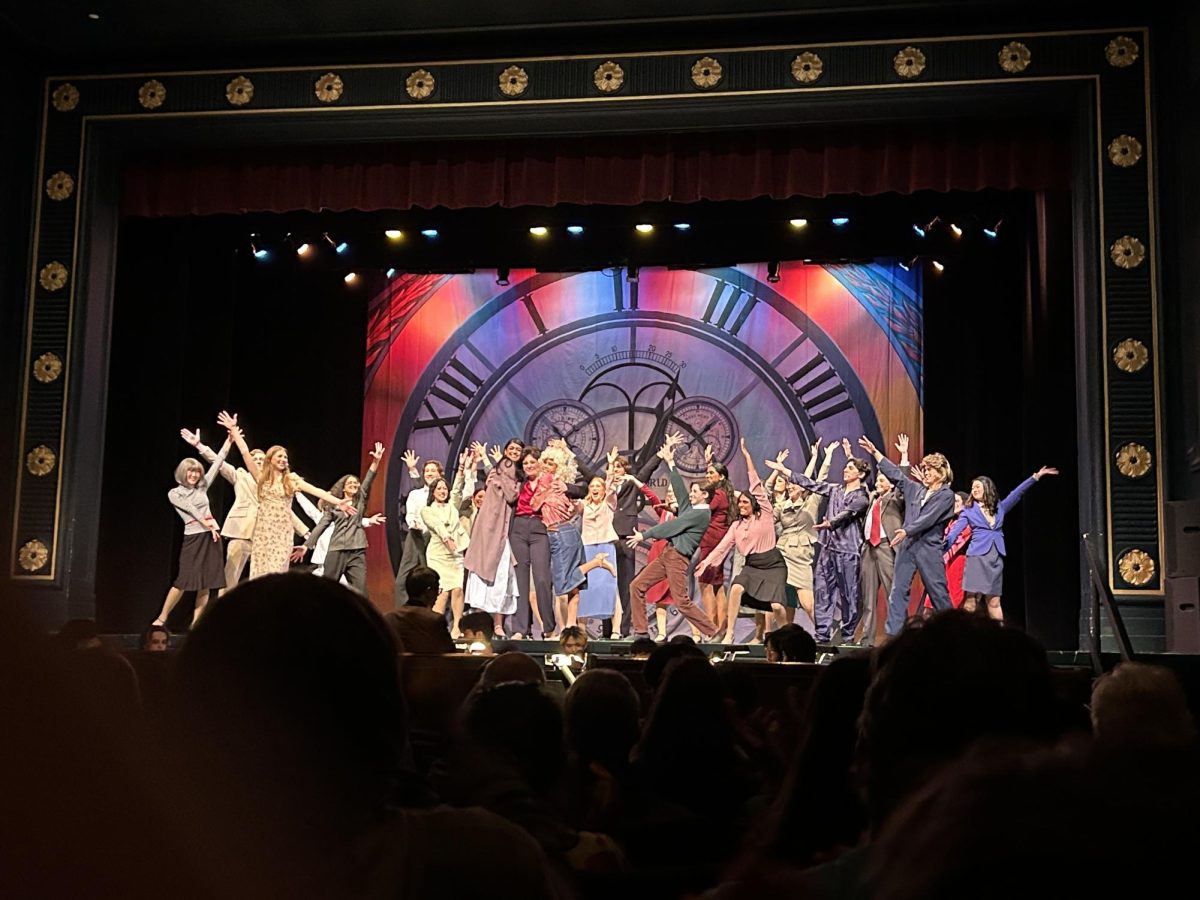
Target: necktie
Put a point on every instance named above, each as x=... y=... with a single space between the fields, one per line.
x=875 y=535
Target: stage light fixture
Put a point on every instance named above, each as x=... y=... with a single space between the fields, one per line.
x=798 y=223
x=908 y=264
x=918 y=231
x=574 y=229
x=342 y=247
x=991 y=233
x=393 y=234
x=643 y=228
x=773 y=271
x=840 y=221
x=631 y=274
x=260 y=252
x=502 y=274
x=682 y=226
x=330 y=241
x=938 y=267
x=304 y=249
x=391 y=273
x=539 y=231
x=350 y=278
x=95 y=17
x=956 y=229
x=429 y=232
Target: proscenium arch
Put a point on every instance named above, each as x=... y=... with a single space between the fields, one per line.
x=99 y=141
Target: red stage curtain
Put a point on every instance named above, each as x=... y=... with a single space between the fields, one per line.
x=611 y=169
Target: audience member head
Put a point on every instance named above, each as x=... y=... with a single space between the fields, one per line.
x=573 y=641
x=477 y=628
x=790 y=643
x=156 y=638
x=956 y=679
x=642 y=647
x=79 y=634
x=298 y=729
x=422 y=586
x=521 y=723
x=1141 y=706
x=602 y=713
x=661 y=657
x=685 y=639
x=512 y=666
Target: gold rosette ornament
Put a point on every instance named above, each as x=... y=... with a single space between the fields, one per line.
x=706 y=72
x=1125 y=151
x=240 y=91
x=1014 y=57
x=1131 y=355
x=909 y=62
x=53 y=276
x=1127 y=252
x=33 y=556
x=152 y=94
x=329 y=87
x=1121 y=52
x=513 y=81
x=1133 y=460
x=65 y=97
x=47 y=367
x=40 y=460
x=419 y=85
x=608 y=77
x=1136 y=567
x=60 y=186
x=807 y=67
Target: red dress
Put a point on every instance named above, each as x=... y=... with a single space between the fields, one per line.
x=717 y=527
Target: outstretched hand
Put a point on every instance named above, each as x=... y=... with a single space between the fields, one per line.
x=898 y=537
x=192 y=437
x=410 y=459
x=633 y=540
x=902 y=443
x=497 y=454
x=377 y=453
x=833 y=445
x=298 y=552
x=867 y=444
x=1045 y=470
x=708 y=454
x=612 y=455
x=227 y=421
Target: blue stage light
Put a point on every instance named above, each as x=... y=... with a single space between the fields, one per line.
x=342 y=247
x=429 y=232
x=919 y=231
x=841 y=221
x=574 y=229
x=682 y=226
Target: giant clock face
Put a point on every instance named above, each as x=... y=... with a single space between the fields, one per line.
x=716 y=355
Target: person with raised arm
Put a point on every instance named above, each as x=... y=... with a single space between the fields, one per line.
x=712 y=582
x=983 y=577
x=347 y=553
x=201 y=565
x=796 y=525
x=277 y=483
x=928 y=505
x=599 y=535
x=238 y=528
x=448 y=541
x=841 y=550
x=489 y=561
x=683 y=534
x=416 y=539
x=625 y=521
x=884 y=518
x=762 y=583
x=560 y=515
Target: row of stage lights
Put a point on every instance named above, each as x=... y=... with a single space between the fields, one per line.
x=305 y=249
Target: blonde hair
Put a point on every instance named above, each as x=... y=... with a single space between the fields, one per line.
x=266 y=473
x=567 y=469
x=941 y=465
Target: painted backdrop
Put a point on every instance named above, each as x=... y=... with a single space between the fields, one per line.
x=718 y=354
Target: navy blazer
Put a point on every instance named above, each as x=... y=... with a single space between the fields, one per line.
x=984 y=536
x=924 y=523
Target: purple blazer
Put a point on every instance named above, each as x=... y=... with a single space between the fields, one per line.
x=984 y=536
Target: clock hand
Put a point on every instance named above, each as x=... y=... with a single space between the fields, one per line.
x=660 y=424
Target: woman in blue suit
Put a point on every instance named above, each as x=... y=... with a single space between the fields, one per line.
x=984 y=574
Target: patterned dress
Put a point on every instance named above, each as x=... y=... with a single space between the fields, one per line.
x=271 y=548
